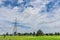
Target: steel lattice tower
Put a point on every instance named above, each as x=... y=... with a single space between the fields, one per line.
x=15 y=27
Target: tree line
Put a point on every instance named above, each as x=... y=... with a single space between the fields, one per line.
x=38 y=33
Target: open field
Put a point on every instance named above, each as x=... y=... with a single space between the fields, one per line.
x=30 y=38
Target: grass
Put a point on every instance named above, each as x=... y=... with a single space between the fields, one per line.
x=30 y=38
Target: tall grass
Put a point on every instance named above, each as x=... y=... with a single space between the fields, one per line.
x=30 y=38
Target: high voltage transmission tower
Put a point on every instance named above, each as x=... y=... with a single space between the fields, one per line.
x=15 y=27
x=18 y=25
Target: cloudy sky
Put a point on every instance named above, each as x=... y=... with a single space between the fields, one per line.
x=31 y=15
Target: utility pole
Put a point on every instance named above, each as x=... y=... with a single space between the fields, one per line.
x=15 y=27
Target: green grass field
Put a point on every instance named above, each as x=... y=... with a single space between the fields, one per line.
x=30 y=38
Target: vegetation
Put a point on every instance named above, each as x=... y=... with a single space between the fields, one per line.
x=38 y=33
x=30 y=38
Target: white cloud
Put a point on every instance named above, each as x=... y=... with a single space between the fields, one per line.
x=19 y=1
x=32 y=17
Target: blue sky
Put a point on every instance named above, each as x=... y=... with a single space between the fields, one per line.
x=31 y=15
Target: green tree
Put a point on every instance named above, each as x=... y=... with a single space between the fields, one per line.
x=34 y=34
x=19 y=34
x=7 y=34
x=30 y=33
x=47 y=34
x=15 y=33
x=51 y=34
x=39 y=33
x=56 y=33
